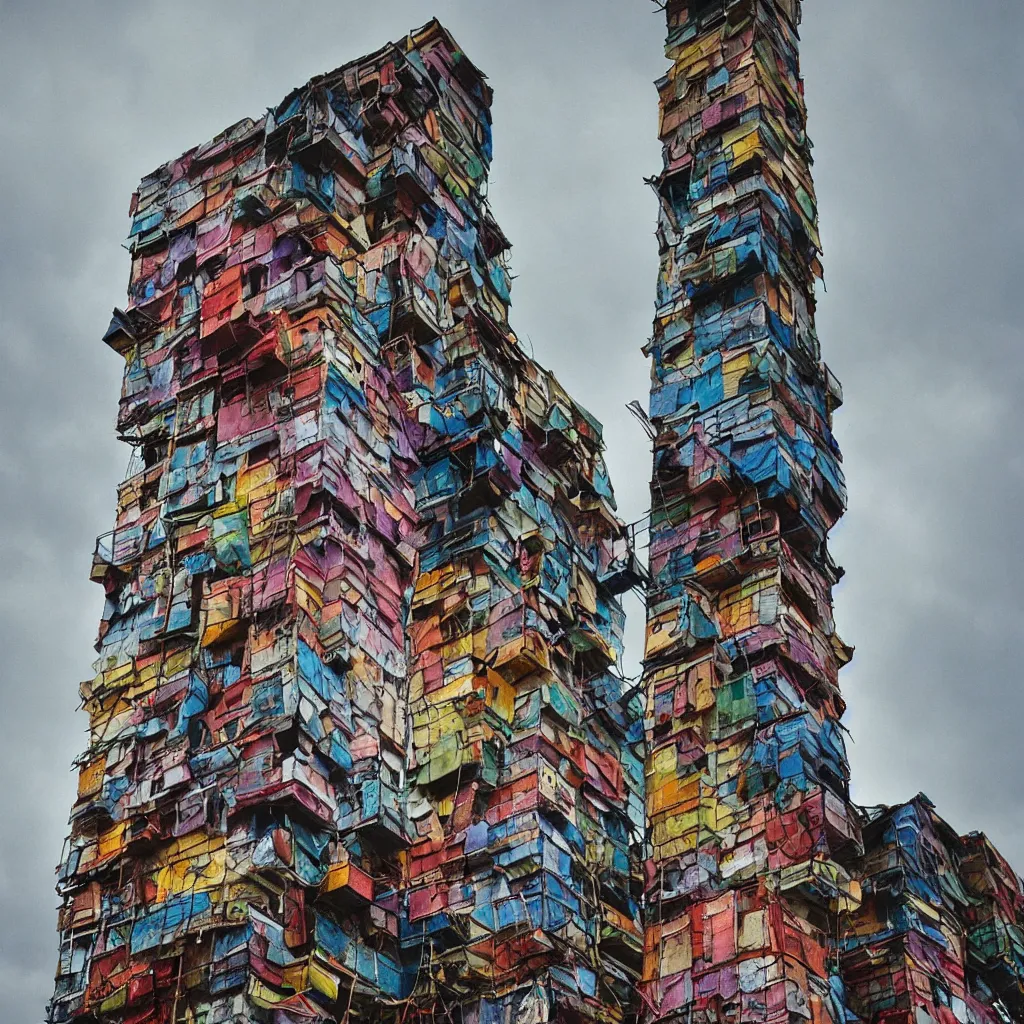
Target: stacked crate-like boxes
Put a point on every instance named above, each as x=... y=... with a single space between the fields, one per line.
x=358 y=744
x=751 y=832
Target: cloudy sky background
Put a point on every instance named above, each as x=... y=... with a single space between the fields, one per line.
x=915 y=108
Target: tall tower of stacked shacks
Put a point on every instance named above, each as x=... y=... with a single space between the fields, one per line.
x=357 y=747
x=751 y=828
x=768 y=896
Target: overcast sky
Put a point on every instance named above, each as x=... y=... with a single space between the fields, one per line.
x=915 y=109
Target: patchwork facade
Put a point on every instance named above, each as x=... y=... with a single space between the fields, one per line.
x=939 y=935
x=769 y=897
x=751 y=829
x=359 y=745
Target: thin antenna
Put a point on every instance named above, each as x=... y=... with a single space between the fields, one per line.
x=636 y=409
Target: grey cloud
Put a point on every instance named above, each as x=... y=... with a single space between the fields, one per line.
x=915 y=109
x=916 y=112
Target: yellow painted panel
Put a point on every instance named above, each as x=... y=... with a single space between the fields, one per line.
x=112 y=841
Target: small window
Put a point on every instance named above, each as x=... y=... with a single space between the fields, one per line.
x=758 y=527
x=254 y=282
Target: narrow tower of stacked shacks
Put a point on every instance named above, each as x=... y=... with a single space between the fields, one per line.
x=751 y=831
x=769 y=897
x=358 y=750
